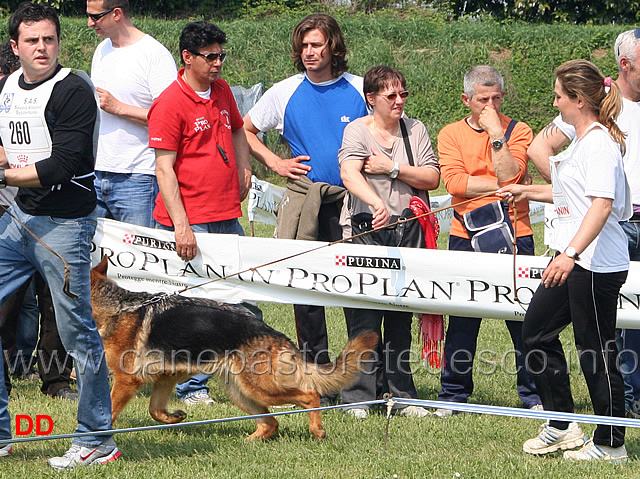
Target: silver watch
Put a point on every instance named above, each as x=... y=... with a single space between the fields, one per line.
x=395 y=170
x=497 y=144
x=572 y=253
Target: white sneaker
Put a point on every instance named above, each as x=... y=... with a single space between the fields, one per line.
x=593 y=452
x=537 y=407
x=86 y=456
x=357 y=412
x=550 y=439
x=443 y=413
x=6 y=450
x=199 y=398
x=413 y=411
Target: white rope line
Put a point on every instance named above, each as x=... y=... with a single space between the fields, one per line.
x=520 y=412
x=460 y=407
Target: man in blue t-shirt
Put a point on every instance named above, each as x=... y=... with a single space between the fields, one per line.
x=310 y=110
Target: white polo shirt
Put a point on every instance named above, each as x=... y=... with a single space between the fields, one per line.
x=592 y=167
x=629 y=123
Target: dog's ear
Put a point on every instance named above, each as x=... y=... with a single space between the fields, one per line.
x=101 y=268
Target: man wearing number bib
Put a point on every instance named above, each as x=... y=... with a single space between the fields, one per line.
x=48 y=129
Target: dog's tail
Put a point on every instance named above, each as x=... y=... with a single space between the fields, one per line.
x=330 y=378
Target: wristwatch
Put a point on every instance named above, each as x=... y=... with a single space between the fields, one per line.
x=3 y=179
x=572 y=253
x=395 y=170
x=497 y=144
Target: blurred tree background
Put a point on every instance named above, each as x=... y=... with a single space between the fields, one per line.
x=546 y=11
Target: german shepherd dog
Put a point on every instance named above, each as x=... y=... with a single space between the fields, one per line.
x=168 y=341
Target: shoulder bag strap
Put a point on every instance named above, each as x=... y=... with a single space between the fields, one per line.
x=507 y=134
x=407 y=146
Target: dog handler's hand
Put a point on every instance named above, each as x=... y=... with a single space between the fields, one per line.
x=512 y=193
x=292 y=167
x=186 y=246
x=558 y=270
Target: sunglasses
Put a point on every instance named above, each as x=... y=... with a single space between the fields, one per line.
x=97 y=16
x=212 y=57
x=392 y=96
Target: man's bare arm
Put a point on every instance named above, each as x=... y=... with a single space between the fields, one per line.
x=110 y=104
x=504 y=164
x=289 y=168
x=186 y=245
x=243 y=161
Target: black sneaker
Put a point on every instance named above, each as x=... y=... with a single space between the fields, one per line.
x=66 y=393
x=326 y=401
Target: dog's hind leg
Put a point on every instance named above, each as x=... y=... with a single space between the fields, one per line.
x=125 y=386
x=309 y=399
x=162 y=389
x=265 y=426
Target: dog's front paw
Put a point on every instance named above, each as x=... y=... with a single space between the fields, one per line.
x=179 y=415
x=319 y=434
x=169 y=417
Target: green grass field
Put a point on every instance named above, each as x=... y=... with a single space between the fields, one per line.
x=466 y=445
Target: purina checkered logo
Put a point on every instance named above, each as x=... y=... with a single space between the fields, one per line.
x=368 y=262
x=129 y=238
x=527 y=272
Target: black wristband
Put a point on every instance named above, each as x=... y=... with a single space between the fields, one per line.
x=3 y=179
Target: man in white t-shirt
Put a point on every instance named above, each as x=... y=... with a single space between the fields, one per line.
x=557 y=135
x=129 y=69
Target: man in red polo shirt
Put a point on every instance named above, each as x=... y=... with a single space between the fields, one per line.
x=202 y=156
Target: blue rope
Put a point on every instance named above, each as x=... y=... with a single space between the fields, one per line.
x=461 y=407
x=181 y=424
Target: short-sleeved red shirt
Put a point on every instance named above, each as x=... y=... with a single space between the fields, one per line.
x=195 y=128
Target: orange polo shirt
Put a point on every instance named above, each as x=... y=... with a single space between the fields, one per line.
x=465 y=152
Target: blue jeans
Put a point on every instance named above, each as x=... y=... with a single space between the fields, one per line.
x=460 y=344
x=20 y=256
x=27 y=331
x=628 y=340
x=126 y=197
x=199 y=381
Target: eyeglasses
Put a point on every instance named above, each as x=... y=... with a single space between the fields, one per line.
x=212 y=57
x=97 y=16
x=392 y=96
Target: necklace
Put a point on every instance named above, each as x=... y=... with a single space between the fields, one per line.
x=394 y=135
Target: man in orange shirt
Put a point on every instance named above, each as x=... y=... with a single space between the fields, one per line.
x=478 y=155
